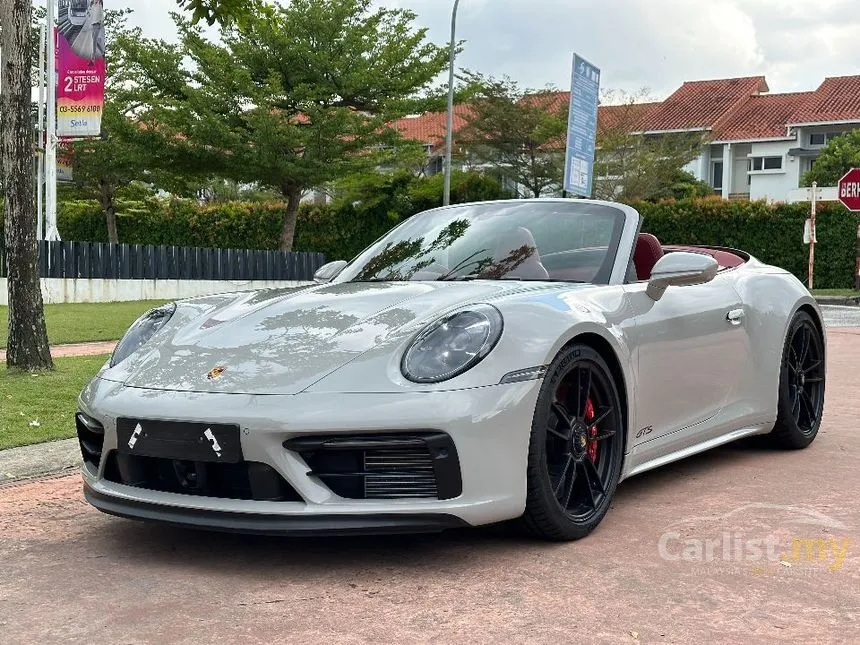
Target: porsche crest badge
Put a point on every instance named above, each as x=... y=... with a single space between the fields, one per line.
x=216 y=372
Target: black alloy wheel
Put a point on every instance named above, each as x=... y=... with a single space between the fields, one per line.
x=576 y=447
x=801 y=385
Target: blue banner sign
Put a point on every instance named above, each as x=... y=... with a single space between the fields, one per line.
x=582 y=128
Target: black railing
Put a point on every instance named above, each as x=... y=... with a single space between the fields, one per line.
x=145 y=262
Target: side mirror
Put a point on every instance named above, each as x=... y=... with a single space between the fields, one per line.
x=328 y=272
x=681 y=269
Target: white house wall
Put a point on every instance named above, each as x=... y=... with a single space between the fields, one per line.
x=775 y=186
x=57 y=290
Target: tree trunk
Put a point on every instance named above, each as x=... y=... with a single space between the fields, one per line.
x=27 y=346
x=106 y=192
x=294 y=196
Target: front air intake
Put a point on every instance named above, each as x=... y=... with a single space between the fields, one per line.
x=91 y=437
x=391 y=466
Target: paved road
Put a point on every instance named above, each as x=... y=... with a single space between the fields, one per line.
x=841 y=316
x=76 y=349
x=69 y=574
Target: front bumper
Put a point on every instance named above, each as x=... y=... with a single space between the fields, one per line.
x=269 y=524
x=489 y=426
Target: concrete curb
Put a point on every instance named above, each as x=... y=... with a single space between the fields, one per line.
x=39 y=460
x=851 y=301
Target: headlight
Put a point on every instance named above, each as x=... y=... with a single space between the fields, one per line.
x=141 y=331
x=452 y=345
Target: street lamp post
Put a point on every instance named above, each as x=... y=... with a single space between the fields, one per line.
x=449 y=137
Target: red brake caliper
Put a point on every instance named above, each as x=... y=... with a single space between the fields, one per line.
x=592 y=431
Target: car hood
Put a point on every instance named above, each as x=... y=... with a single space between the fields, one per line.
x=282 y=342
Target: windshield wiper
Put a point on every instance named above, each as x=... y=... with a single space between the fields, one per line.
x=458 y=278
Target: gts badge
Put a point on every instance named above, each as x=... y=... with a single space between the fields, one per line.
x=216 y=447
x=644 y=432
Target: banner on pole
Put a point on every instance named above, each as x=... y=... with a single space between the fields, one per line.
x=582 y=127
x=80 y=39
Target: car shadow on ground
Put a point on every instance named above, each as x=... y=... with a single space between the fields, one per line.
x=240 y=554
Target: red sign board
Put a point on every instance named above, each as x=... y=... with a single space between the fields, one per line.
x=849 y=189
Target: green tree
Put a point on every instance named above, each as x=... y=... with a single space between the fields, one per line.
x=520 y=133
x=630 y=165
x=28 y=339
x=841 y=155
x=132 y=147
x=683 y=185
x=293 y=97
x=216 y=10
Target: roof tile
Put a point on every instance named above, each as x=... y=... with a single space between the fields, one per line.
x=698 y=105
x=836 y=99
x=760 y=117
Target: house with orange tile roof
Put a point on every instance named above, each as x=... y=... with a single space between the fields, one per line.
x=759 y=145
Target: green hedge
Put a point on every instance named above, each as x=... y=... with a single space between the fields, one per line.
x=774 y=234
x=341 y=230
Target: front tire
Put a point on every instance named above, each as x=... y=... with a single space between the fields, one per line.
x=801 y=385
x=576 y=447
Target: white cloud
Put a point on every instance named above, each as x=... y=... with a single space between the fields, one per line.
x=638 y=43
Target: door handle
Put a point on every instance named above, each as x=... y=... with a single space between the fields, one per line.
x=735 y=316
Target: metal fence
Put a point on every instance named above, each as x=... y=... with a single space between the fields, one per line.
x=99 y=260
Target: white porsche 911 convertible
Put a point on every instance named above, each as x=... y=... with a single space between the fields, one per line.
x=479 y=363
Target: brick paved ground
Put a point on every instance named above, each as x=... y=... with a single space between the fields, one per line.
x=69 y=574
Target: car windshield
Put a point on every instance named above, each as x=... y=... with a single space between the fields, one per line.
x=527 y=240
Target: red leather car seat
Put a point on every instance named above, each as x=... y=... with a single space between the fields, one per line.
x=648 y=252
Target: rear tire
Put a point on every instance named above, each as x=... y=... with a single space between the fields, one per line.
x=576 y=447
x=801 y=385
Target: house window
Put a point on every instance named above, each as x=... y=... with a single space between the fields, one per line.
x=758 y=164
x=823 y=138
x=717 y=175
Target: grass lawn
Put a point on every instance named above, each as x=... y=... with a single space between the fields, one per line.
x=48 y=399
x=79 y=323
x=836 y=293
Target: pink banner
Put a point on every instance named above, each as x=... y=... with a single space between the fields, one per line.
x=80 y=68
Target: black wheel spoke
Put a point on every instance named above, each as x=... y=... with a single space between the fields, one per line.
x=603 y=435
x=807 y=404
x=795 y=406
x=563 y=475
x=807 y=337
x=814 y=366
x=556 y=433
x=569 y=493
x=594 y=476
x=589 y=487
x=793 y=363
x=564 y=419
x=601 y=417
x=815 y=379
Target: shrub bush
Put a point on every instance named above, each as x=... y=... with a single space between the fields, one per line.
x=774 y=234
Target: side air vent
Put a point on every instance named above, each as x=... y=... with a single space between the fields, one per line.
x=395 y=466
x=91 y=437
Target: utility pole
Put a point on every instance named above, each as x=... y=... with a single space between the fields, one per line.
x=813 y=208
x=40 y=146
x=449 y=138
x=51 y=232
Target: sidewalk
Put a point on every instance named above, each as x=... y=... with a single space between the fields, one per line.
x=78 y=349
x=39 y=459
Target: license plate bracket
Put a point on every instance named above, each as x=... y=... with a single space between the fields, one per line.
x=182 y=440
